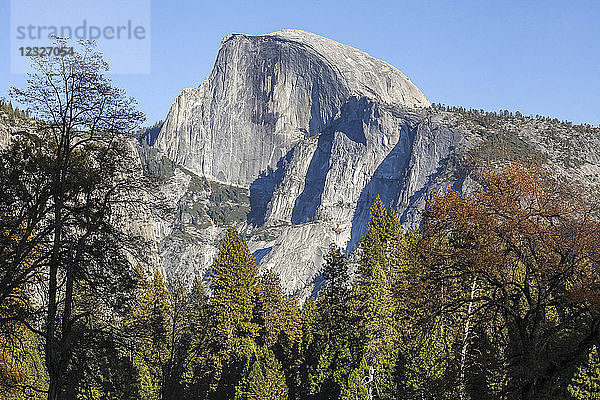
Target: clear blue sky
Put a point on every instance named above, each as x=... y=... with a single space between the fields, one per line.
x=539 y=57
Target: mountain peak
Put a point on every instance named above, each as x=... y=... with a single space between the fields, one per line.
x=294 y=136
x=364 y=75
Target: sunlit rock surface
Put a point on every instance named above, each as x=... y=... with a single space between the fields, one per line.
x=293 y=136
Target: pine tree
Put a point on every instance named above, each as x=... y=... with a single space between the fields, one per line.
x=149 y=325
x=375 y=313
x=262 y=378
x=356 y=388
x=426 y=370
x=327 y=351
x=234 y=285
x=335 y=293
x=373 y=303
x=281 y=326
x=270 y=301
x=380 y=239
x=201 y=358
x=235 y=324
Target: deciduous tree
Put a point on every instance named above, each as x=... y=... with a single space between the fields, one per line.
x=532 y=247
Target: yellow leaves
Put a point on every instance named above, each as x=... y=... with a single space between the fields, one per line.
x=21 y=364
x=11 y=373
x=532 y=244
x=290 y=320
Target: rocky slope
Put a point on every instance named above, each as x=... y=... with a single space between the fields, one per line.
x=292 y=137
x=11 y=123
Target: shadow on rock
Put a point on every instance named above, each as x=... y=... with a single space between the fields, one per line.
x=261 y=190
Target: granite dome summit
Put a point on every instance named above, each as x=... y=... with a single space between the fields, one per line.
x=292 y=137
x=265 y=93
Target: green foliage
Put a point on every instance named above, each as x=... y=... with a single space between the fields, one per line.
x=235 y=290
x=12 y=115
x=585 y=385
x=23 y=375
x=505 y=136
x=506 y=145
x=403 y=317
x=101 y=369
x=228 y=204
x=327 y=347
x=356 y=388
x=281 y=327
x=241 y=311
x=150 y=327
x=335 y=362
x=373 y=304
x=335 y=294
x=181 y=336
x=426 y=370
x=198 y=373
x=262 y=378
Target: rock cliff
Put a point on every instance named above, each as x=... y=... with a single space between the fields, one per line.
x=293 y=136
x=265 y=94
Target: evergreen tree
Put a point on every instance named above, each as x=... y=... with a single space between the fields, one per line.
x=262 y=378
x=425 y=373
x=270 y=301
x=235 y=320
x=356 y=387
x=373 y=303
x=201 y=358
x=281 y=327
x=380 y=240
x=328 y=354
x=235 y=285
x=149 y=326
x=335 y=293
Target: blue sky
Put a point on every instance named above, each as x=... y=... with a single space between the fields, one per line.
x=538 y=57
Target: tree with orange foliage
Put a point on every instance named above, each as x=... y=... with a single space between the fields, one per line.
x=519 y=259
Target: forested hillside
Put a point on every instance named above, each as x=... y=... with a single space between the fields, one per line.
x=496 y=294
x=497 y=298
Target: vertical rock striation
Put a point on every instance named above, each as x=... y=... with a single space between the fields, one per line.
x=293 y=136
x=264 y=95
x=315 y=130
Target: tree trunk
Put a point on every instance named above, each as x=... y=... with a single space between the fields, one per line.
x=50 y=347
x=52 y=353
x=53 y=389
x=465 y=345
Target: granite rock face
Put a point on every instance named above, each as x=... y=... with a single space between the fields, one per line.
x=293 y=136
x=267 y=93
x=310 y=127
